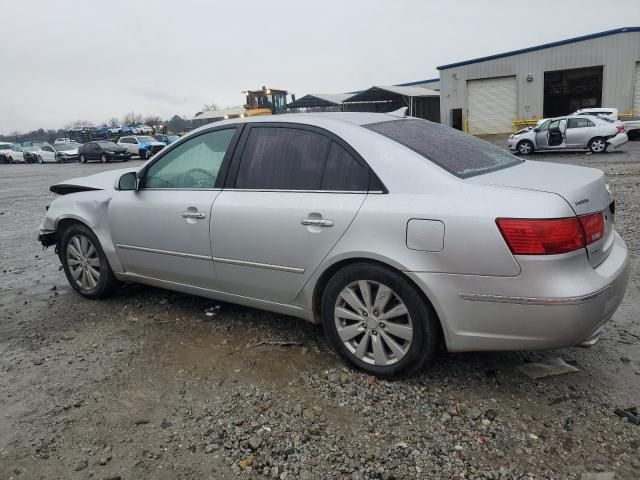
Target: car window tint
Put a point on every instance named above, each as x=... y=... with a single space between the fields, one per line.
x=343 y=172
x=544 y=126
x=193 y=164
x=461 y=154
x=283 y=159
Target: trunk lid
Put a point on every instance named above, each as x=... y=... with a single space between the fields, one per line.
x=585 y=189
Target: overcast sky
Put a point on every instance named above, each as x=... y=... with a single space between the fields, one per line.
x=65 y=60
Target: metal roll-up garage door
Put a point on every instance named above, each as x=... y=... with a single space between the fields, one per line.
x=636 y=91
x=492 y=105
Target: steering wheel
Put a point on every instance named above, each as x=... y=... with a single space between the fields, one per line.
x=194 y=178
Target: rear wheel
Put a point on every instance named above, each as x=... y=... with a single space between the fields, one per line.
x=103 y=158
x=378 y=321
x=597 y=145
x=10 y=160
x=83 y=159
x=525 y=147
x=85 y=264
x=40 y=160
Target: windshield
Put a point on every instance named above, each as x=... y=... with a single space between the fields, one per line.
x=109 y=145
x=458 y=153
x=146 y=139
x=64 y=148
x=31 y=148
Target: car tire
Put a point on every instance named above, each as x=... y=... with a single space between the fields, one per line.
x=104 y=158
x=525 y=147
x=370 y=340
x=10 y=160
x=145 y=155
x=597 y=145
x=40 y=160
x=83 y=259
x=83 y=159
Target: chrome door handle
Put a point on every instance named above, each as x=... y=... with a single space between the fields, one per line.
x=193 y=215
x=317 y=222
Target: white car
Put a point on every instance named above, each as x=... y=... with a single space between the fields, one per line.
x=144 y=129
x=10 y=153
x=59 y=141
x=608 y=113
x=62 y=152
x=142 y=145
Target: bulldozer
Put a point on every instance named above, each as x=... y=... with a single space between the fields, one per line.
x=265 y=101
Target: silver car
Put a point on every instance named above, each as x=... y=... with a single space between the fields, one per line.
x=397 y=234
x=574 y=132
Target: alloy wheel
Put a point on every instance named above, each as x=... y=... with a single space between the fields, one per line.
x=83 y=262
x=524 y=148
x=598 y=145
x=373 y=323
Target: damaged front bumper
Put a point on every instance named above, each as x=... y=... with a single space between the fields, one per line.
x=47 y=238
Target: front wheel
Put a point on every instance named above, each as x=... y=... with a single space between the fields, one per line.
x=597 y=145
x=10 y=160
x=85 y=264
x=378 y=321
x=40 y=160
x=525 y=147
x=145 y=154
x=103 y=158
x=83 y=159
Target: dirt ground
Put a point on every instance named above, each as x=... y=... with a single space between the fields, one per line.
x=145 y=385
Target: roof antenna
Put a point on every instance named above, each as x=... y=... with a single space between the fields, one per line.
x=400 y=113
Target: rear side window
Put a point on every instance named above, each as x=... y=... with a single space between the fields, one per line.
x=282 y=159
x=579 y=123
x=458 y=153
x=343 y=172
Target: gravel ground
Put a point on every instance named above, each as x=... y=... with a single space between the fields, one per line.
x=145 y=385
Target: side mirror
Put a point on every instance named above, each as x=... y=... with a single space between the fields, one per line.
x=536 y=129
x=128 y=181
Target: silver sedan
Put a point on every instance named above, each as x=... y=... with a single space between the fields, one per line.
x=575 y=132
x=397 y=234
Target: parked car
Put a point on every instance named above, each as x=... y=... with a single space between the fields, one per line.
x=30 y=153
x=62 y=140
x=575 y=132
x=62 y=152
x=17 y=154
x=144 y=129
x=340 y=219
x=144 y=146
x=103 y=151
x=6 y=151
x=166 y=139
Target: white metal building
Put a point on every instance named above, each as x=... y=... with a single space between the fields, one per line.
x=496 y=93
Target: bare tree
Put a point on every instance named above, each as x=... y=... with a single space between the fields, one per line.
x=209 y=106
x=78 y=123
x=152 y=120
x=132 y=118
x=113 y=122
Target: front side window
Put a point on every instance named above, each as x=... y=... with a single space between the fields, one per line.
x=458 y=153
x=277 y=158
x=544 y=126
x=193 y=164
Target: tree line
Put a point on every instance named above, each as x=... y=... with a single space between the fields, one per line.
x=175 y=124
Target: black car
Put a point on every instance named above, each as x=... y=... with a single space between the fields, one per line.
x=103 y=151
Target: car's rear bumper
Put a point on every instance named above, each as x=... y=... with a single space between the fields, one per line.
x=618 y=140
x=553 y=303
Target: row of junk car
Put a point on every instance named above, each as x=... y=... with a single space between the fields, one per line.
x=108 y=149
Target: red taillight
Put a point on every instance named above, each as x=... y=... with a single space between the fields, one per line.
x=620 y=128
x=551 y=236
x=541 y=236
x=593 y=226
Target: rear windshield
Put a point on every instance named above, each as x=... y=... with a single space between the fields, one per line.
x=458 y=153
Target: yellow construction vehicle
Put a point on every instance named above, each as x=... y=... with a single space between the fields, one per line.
x=265 y=101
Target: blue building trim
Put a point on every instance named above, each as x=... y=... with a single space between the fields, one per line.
x=410 y=84
x=542 y=47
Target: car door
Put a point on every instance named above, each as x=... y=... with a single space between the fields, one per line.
x=542 y=132
x=281 y=212
x=17 y=154
x=579 y=132
x=556 y=133
x=161 y=231
x=48 y=154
